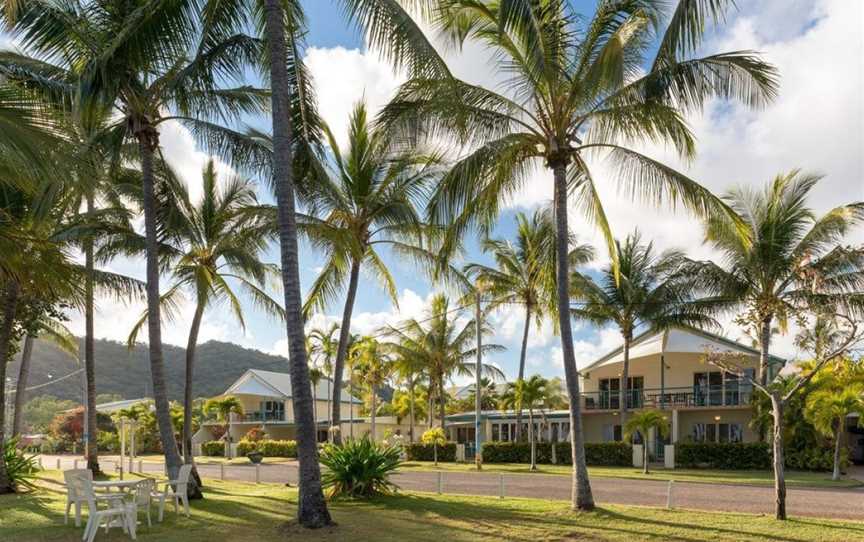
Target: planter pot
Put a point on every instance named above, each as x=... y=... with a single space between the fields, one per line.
x=255 y=457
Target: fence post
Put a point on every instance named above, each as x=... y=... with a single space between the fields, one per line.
x=140 y=466
x=257 y=473
x=76 y=464
x=501 y=486
x=222 y=471
x=40 y=462
x=440 y=482
x=669 y=495
x=58 y=463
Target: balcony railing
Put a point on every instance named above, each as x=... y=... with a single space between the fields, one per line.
x=685 y=397
x=261 y=417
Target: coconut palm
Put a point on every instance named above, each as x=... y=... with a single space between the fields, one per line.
x=375 y=368
x=215 y=246
x=410 y=372
x=324 y=347
x=152 y=66
x=574 y=89
x=315 y=376
x=488 y=394
x=647 y=290
x=828 y=409
x=642 y=423
x=371 y=199
x=442 y=346
x=525 y=275
x=529 y=394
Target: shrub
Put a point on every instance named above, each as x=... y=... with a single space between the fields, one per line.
x=269 y=448
x=724 y=455
x=515 y=452
x=426 y=452
x=610 y=454
x=359 y=468
x=214 y=448
x=816 y=459
x=20 y=468
x=254 y=435
x=108 y=441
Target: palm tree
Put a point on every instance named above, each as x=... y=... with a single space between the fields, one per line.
x=488 y=394
x=325 y=346
x=215 y=245
x=828 y=409
x=315 y=376
x=146 y=64
x=222 y=408
x=375 y=368
x=409 y=371
x=529 y=394
x=525 y=275
x=50 y=329
x=442 y=346
x=371 y=199
x=643 y=423
x=647 y=290
x=574 y=89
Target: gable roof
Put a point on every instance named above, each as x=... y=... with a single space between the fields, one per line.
x=679 y=339
x=272 y=384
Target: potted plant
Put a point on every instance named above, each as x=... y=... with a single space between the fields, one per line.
x=255 y=457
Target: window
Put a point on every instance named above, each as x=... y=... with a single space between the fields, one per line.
x=610 y=389
x=496 y=432
x=635 y=385
x=611 y=433
x=736 y=432
x=273 y=410
x=718 y=432
x=698 y=432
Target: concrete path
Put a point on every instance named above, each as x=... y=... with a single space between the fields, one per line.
x=845 y=503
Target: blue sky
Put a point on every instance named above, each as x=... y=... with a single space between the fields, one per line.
x=816 y=124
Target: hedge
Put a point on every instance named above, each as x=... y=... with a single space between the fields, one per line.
x=425 y=452
x=596 y=453
x=269 y=448
x=213 y=448
x=723 y=455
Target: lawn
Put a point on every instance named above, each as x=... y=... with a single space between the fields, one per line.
x=246 y=512
x=750 y=477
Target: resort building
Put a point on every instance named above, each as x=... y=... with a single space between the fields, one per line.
x=266 y=399
x=668 y=371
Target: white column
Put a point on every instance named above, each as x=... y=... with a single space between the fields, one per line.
x=674 y=426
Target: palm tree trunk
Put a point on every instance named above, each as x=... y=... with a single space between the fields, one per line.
x=837 y=447
x=329 y=404
x=350 y=408
x=582 y=498
x=342 y=349
x=91 y=449
x=531 y=438
x=779 y=460
x=762 y=377
x=10 y=307
x=374 y=412
x=430 y=408
x=21 y=386
x=442 y=407
x=624 y=396
x=194 y=489
x=645 y=454
x=411 y=413
x=521 y=376
x=148 y=140
x=312 y=508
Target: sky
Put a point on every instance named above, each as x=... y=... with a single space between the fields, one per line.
x=815 y=124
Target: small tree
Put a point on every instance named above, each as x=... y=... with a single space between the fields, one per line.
x=529 y=394
x=642 y=423
x=222 y=407
x=827 y=410
x=435 y=437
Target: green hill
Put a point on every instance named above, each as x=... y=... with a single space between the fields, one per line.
x=127 y=373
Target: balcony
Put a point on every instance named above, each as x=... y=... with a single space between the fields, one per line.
x=685 y=397
x=261 y=417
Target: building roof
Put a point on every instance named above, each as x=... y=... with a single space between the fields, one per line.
x=114 y=406
x=271 y=384
x=675 y=340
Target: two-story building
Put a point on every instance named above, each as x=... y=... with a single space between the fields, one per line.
x=667 y=371
x=266 y=399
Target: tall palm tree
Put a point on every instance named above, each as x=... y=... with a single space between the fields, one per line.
x=442 y=346
x=525 y=275
x=788 y=262
x=371 y=199
x=574 y=88
x=152 y=66
x=648 y=290
x=215 y=247
x=409 y=371
x=529 y=394
x=375 y=367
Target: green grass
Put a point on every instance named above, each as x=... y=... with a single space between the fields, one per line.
x=246 y=512
x=748 y=477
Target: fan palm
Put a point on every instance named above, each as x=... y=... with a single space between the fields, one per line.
x=442 y=345
x=371 y=200
x=525 y=275
x=642 y=423
x=529 y=394
x=575 y=90
x=828 y=409
x=152 y=63
x=648 y=290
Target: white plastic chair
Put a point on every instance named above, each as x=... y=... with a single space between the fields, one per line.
x=73 y=498
x=116 y=510
x=176 y=490
x=142 y=499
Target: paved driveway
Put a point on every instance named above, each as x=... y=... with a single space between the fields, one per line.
x=846 y=503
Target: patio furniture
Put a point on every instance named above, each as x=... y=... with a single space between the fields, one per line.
x=142 y=499
x=115 y=514
x=175 y=490
x=73 y=498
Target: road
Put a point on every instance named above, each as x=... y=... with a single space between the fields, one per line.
x=841 y=503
